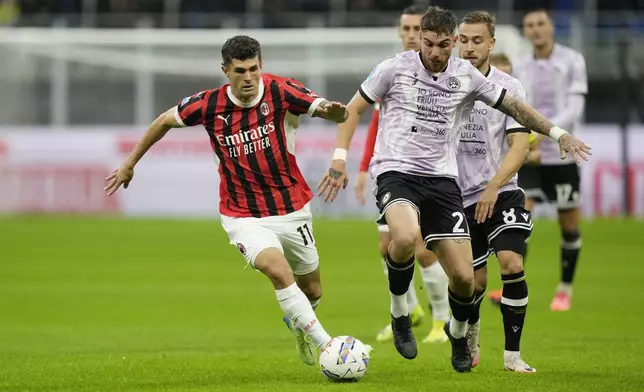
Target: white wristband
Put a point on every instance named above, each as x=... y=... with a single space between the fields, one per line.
x=556 y=133
x=341 y=154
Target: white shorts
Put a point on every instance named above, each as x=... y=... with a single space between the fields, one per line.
x=292 y=234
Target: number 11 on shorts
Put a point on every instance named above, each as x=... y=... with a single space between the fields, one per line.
x=301 y=229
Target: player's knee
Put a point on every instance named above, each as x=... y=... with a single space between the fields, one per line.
x=276 y=268
x=463 y=278
x=569 y=220
x=510 y=262
x=405 y=240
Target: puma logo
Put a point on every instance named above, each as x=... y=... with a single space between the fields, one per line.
x=225 y=119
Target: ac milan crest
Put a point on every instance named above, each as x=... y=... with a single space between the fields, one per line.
x=241 y=248
x=264 y=108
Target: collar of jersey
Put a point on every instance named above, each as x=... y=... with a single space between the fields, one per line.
x=260 y=94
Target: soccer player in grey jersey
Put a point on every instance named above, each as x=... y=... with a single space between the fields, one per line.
x=425 y=96
x=493 y=147
x=555 y=80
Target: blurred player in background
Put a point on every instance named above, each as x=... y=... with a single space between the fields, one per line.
x=434 y=278
x=492 y=148
x=264 y=200
x=424 y=99
x=555 y=80
x=501 y=62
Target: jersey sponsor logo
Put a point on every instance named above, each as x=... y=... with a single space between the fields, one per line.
x=437 y=132
x=247 y=141
x=224 y=119
x=453 y=83
x=264 y=108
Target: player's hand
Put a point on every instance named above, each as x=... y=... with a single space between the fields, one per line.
x=578 y=149
x=334 y=111
x=485 y=206
x=359 y=187
x=121 y=176
x=334 y=179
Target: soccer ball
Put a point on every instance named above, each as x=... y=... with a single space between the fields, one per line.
x=345 y=358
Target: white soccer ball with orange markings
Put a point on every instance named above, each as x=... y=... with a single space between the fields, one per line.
x=345 y=358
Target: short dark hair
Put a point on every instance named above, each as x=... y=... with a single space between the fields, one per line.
x=439 y=21
x=500 y=59
x=240 y=47
x=414 y=10
x=481 y=17
x=536 y=10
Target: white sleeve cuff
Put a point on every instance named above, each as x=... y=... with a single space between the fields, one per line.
x=177 y=117
x=314 y=106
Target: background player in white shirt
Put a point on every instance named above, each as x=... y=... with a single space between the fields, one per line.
x=492 y=148
x=555 y=80
x=424 y=99
x=433 y=276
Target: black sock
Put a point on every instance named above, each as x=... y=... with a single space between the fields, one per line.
x=476 y=308
x=513 y=308
x=461 y=306
x=400 y=275
x=570 y=248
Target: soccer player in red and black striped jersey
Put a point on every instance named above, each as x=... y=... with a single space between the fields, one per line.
x=264 y=199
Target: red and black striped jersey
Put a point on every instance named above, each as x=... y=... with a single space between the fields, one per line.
x=255 y=145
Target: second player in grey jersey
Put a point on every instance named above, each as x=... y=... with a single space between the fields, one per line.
x=492 y=148
x=425 y=97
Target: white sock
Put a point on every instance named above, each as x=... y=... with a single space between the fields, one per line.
x=507 y=353
x=412 y=298
x=565 y=287
x=458 y=329
x=435 y=281
x=296 y=306
x=399 y=305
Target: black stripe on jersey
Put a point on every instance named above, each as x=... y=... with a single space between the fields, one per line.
x=194 y=118
x=297 y=102
x=365 y=96
x=251 y=202
x=500 y=100
x=253 y=163
x=515 y=130
x=211 y=108
x=270 y=157
x=280 y=115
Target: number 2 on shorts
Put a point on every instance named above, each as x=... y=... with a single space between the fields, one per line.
x=457 y=227
x=301 y=230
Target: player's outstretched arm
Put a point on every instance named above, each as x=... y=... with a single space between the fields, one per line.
x=519 y=143
x=532 y=119
x=123 y=175
x=336 y=178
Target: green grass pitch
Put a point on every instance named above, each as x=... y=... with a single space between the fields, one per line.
x=107 y=304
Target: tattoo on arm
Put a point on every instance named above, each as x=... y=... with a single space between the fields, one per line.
x=335 y=174
x=525 y=115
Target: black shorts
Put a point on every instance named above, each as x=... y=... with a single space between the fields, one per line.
x=508 y=229
x=558 y=184
x=437 y=200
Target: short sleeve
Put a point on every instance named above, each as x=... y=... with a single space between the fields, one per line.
x=511 y=125
x=485 y=90
x=300 y=100
x=578 y=76
x=189 y=111
x=379 y=81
